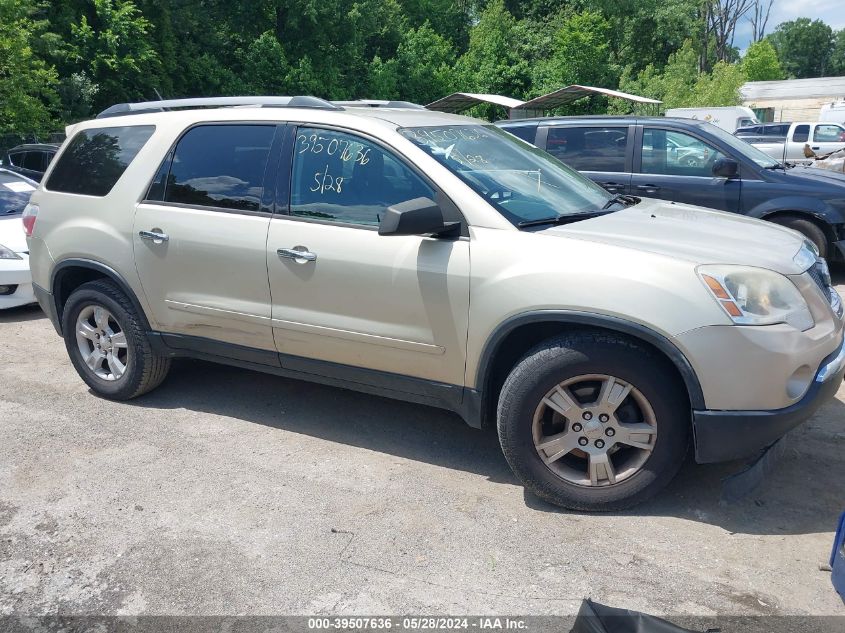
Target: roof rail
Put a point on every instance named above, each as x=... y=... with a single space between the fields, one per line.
x=143 y=107
x=376 y=103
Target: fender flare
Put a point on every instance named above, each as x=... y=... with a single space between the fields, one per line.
x=64 y=266
x=799 y=205
x=615 y=324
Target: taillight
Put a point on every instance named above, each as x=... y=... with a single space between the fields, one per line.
x=30 y=214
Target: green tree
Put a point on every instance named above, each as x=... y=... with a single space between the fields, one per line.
x=425 y=64
x=267 y=64
x=761 y=62
x=837 y=58
x=114 y=50
x=580 y=54
x=494 y=62
x=804 y=47
x=27 y=84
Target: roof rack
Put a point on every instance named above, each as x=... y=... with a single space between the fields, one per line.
x=143 y=107
x=376 y=103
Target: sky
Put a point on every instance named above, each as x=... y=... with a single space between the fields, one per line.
x=831 y=12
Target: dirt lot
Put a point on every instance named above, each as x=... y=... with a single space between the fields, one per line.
x=229 y=492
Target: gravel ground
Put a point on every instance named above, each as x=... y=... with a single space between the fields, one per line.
x=233 y=492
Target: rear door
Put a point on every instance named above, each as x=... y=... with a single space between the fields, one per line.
x=602 y=153
x=200 y=238
x=794 y=149
x=677 y=165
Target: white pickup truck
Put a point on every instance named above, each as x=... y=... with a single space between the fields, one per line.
x=785 y=142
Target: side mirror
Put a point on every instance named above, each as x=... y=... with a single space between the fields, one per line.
x=726 y=168
x=419 y=216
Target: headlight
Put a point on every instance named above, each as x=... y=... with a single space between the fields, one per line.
x=756 y=296
x=8 y=253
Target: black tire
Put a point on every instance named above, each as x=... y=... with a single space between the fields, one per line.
x=145 y=368
x=808 y=228
x=580 y=354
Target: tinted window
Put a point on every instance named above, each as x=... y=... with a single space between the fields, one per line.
x=16 y=159
x=344 y=178
x=33 y=161
x=220 y=166
x=676 y=154
x=96 y=158
x=14 y=194
x=828 y=134
x=525 y=132
x=801 y=133
x=589 y=148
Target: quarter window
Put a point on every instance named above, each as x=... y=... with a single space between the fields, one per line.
x=33 y=161
x=677 y=154
x=338 y=177
x=220 y=166
x=589 y=148
x=96 y=158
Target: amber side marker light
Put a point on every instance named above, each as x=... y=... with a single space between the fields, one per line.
x=722 y=295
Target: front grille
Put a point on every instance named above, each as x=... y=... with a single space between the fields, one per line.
x=820 y=273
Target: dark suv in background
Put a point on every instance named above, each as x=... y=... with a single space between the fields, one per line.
x=30 y=159
x=684 y=160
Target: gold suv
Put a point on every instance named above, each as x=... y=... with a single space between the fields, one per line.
x=437 y=259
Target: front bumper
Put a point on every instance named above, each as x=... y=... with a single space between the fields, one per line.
x=727 y=435
x=15 y=275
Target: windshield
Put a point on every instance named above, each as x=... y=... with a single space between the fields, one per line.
x=522 y=182
x=14 y=194
x=746 y=149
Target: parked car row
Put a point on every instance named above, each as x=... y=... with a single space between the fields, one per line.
x=689 y=161
x=438 y=259
x=794 y=142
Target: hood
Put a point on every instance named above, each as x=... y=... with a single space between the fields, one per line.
x=12 y=234
x=812 y=175
x=694 y=234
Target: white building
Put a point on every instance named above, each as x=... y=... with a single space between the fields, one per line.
x=792 y=99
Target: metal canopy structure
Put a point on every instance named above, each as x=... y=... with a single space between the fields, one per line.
x=574 y=92
x=460 y=101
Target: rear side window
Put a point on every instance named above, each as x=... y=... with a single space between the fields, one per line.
x=801 y=133
x=527 y=132
x=33 y=161
x=220 y=166
x=96 y=158
x=589 y=148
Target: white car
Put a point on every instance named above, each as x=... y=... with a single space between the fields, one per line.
x=15 y=278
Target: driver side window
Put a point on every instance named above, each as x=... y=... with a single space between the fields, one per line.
x=672 y=153
x=339 y=177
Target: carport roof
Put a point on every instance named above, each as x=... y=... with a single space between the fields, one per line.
x=459 y=101
x=573 y=93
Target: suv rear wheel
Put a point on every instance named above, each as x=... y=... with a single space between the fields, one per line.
x=107 y=344
x=593 y=422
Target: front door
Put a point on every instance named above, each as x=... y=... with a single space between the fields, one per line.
x=677 y=166
x=200 y=237
x=341 y=292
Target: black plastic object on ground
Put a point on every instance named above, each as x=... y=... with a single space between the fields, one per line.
x=597 y=618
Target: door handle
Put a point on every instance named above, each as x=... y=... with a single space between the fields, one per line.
x=651 y=188
x=156 y=236
x=613 y=186
x=815 y=147
x=299 y=254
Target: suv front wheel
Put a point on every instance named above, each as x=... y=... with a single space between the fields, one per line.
x=107 y=343
x=593 y=421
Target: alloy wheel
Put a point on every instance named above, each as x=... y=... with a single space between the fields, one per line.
x=594 y=430
x=102 y=342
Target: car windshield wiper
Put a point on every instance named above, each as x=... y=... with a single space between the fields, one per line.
x=621 y=199
x=562 y=219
